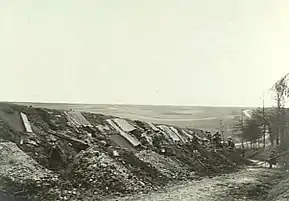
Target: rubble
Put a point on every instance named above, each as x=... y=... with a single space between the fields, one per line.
x=85 y=157
x=165 y=165
x=20 y=175
x=95 y=169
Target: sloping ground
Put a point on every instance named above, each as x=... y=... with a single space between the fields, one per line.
x=165 y=165
x=88 y=163
x=280 y=192
x=20 y=175
x=262 y=154
x=250 y=184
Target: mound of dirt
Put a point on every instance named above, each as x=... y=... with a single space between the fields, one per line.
x=166 y=165
x=20 y=175
x=91 y=161
x=95 y=169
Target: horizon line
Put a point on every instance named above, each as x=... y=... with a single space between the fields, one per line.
x=129 y=104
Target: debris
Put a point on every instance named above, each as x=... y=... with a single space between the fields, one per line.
x=165 y=165
x=93 y=168
x=26 y=123
x=115 y=153
x=101 y=157
x=178 y=134
x=153 y=126
x=124 y=125
x=77 y=119
x=127 y=136
x=168 y=131
x=19 y=173
x=69 y=138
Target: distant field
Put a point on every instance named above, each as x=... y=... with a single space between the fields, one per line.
x=207 y=118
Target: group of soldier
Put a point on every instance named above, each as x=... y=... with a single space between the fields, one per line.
x=158 y=140
x=216 y=139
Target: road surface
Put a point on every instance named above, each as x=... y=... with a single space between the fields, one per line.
x=250 y=184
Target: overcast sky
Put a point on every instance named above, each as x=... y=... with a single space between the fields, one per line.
x=180 y=52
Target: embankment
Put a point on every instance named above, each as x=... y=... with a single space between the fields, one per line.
x=80 y=156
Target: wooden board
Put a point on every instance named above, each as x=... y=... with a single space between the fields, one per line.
x=26 y=123
x=127 y=136
x=77 y=119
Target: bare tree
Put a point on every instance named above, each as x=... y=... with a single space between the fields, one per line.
x=248 y=129
x=281 y=94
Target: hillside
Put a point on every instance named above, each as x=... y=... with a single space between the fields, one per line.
x=50 y=154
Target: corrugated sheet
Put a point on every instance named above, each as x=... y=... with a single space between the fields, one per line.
x=26 y=123
x=124 y=125
x=168 y=131
x=127 y=136
x=152 y=126
x=187 y=134
x=77 y=119
x=178 y=134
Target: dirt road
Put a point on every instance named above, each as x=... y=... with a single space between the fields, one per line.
x=250 y=184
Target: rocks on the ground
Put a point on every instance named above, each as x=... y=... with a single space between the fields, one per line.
x=93 y=168
x=90 y=163
x=165 y=165
x=20 y=175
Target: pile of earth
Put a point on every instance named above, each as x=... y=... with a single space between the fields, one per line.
x=21 y=176
x=66 y=167
x=95 y=169
x=171 y=169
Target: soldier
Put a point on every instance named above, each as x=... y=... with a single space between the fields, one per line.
x=231 y=144
x=209 y=136
x=272 y=160
x=243 y=151
x=195 y=142
x=217 y=140
x=156 y=140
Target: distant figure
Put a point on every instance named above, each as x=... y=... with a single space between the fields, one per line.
x=243 y=151
x=157 y=140
x=217 y=140
x=209 y=136
x=231 y=144
x=273 y=159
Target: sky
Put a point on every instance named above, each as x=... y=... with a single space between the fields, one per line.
x=171 y=52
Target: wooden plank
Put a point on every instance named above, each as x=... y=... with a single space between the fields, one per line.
x=77 y=119
x=69 y=138
x=187 y=134
x=127 y=136
x=152 y=126
x=124 y=125
x=26 y=123
x=178 y=134
x=172 y=135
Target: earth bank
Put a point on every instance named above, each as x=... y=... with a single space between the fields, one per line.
x=61 y=160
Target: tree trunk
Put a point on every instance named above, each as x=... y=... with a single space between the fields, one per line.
x=271 y=139
x=277 y=139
